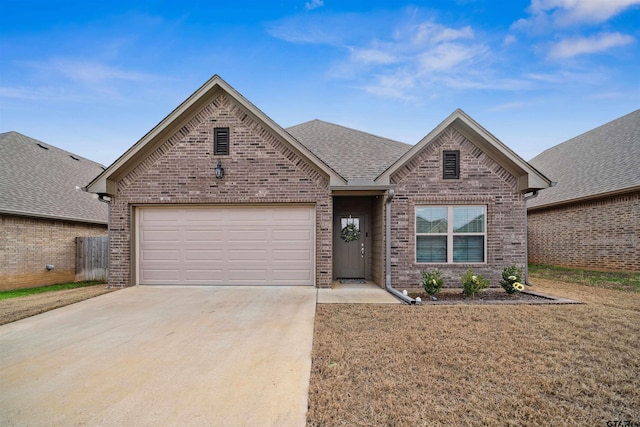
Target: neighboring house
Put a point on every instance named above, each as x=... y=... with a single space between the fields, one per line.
x=310 y=204
x=43 y=210
x=591 y=218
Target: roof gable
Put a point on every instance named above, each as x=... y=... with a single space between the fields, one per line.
x=40 y=180
x=528 y=178
x=106 y=182
x=602 y=161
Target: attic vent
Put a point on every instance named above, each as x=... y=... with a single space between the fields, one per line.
x=451 y=164
x=221 y=141
x=74 y=157
x=43 y=146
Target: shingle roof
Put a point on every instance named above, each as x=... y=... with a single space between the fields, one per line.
x=38 y=179
x=355 y=155
x=603 y=160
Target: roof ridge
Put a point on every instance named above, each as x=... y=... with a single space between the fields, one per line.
x=580 y=137
x=351 y=129
x=48 y=146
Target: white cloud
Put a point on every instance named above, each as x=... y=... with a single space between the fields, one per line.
x=373 y=56
x=508 y=106
x=509 y=40
x=92 y=72
x=430 y=32
x=313 y=4
x=447 y=56
x=564 y=13
x=567 y=12
x=569 y=48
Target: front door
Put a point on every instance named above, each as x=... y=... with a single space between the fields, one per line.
x=349 y=245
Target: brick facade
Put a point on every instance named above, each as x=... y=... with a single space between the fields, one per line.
x=29 y=244
x=260 y=168
x=482 y=182
x=597 y=234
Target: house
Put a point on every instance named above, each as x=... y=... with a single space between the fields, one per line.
x=591 y=218
x=219 y=194
x=43 y=210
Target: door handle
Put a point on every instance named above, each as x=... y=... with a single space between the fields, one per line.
x=362 y=250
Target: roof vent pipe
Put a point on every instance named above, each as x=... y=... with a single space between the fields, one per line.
x=390 y=193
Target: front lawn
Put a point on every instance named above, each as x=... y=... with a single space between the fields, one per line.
x=602 y=279
x=387 y=365
x=42 y=289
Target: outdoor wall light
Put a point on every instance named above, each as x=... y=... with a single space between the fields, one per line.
x=50 y=267
x=219 y=170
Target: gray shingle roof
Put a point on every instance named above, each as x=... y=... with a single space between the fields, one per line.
x=603 y=160
x=37 y=181
x=355 y=155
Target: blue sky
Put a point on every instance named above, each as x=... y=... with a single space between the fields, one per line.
x=92 y=77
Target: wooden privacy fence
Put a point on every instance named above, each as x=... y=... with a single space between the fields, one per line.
x=92 y=258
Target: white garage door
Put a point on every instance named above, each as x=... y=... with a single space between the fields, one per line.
x=228 y=245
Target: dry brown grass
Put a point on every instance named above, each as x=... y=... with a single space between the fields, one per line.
x=376 y=365
x=21 y=307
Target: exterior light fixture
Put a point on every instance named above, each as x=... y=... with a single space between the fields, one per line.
x=219 y=170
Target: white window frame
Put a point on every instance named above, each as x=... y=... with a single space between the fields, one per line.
x=450 y=234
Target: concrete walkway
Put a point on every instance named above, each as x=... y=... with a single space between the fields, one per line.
x=162 y=356
x=365 y=293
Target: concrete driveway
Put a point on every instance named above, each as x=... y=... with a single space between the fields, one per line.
x=214 y=356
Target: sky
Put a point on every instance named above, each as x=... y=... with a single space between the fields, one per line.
x=93 y=77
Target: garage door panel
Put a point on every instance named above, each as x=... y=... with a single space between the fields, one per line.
x=242 y=255
x=206 y=275
x=170 y=275
x=290 y=255
x=291 y=235
x=291 y=275
x=160 y=254
x=203 y=254
x=231 y=245
x=256 y=235
x=161 y=236
x=203 y=236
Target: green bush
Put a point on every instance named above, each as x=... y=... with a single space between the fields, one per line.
x=511 y=277
x=432 y=282
x=472 y=284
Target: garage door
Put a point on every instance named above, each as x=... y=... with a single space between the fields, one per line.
x=228 y=245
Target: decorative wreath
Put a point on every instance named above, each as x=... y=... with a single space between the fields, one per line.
x=350 y=232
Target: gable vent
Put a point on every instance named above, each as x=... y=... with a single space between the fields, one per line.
x=221 y=141
x=451 y=164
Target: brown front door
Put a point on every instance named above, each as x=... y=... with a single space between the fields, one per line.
x=349 y=245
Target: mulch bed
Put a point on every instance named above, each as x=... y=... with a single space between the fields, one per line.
x=487 y=296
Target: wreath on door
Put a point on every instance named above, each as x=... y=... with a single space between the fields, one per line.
x=350 y=232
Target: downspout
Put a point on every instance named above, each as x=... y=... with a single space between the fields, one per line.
x=387 y=285
x=101 y=197
x=526 y=237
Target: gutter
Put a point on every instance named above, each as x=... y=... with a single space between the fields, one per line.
x=390 y=193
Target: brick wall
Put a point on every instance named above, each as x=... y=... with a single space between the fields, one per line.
x=260 y=169
x=600 y=234
x=482 y=182
x=29 y=244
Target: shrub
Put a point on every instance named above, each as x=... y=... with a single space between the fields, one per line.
x=511 y=277
x=432 y=282
x=472 y=284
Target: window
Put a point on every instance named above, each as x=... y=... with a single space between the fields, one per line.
x=451 y=234
x=451 y=164
x=221 y=141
